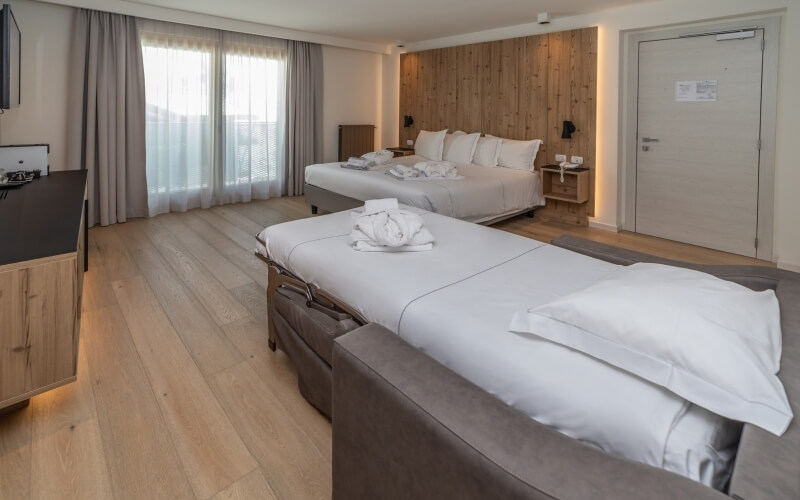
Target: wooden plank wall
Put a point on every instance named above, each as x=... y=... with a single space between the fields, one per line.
x=522 y=88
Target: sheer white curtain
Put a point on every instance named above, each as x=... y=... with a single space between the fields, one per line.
x=253 y=107
x=214 y=131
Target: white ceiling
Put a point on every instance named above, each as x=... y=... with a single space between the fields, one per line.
x=384 y=21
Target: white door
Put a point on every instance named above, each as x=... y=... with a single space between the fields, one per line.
x=699 y=117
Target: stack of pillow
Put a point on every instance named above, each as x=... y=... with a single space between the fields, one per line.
x=472 y=149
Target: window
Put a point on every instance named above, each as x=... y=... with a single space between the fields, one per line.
x=214 y=128
x=253 y=110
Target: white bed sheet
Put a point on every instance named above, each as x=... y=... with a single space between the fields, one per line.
x=484 y=193
x=455 y=303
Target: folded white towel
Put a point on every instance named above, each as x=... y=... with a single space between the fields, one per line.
x=391 y=228
x=357 y=161
x=403 y=172
x=380 y=157
x=437 y=169
x=425 y=170
x=354 y=163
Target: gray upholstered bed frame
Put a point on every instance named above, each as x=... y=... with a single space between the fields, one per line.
x=406 y=427
x=329 y=201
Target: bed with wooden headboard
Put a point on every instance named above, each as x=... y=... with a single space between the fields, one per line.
x=521 y=88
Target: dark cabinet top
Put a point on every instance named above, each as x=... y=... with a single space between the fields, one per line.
x=42 y=218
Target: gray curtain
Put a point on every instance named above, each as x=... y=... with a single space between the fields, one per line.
x=303 y=112
x=106 y=134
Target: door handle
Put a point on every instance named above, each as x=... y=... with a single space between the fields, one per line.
x=649 y=139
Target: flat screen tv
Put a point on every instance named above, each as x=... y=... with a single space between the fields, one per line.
x=10 y=55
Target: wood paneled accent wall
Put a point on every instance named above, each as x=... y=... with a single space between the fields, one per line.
x=522 y=88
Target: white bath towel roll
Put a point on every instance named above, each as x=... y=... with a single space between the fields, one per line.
x=380 y=157
x=391 y=229
x=382 y=224
x=357 y=161
x=437 y=169
x=403 y=172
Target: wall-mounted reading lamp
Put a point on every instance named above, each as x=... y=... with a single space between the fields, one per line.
x=569 y=128
x=408 y=121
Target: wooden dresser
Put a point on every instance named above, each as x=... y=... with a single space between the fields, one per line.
x=42 y=231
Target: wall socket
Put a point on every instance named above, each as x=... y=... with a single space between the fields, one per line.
x=410 y=142
x=560 y=158
x=577 y=159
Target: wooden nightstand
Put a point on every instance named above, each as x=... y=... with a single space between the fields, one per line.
x=401 y=151
x=574 y=189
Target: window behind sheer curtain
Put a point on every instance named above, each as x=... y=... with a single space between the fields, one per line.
x=215 y=109
x=253 y=108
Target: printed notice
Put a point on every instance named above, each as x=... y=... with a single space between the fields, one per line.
x=696 y=91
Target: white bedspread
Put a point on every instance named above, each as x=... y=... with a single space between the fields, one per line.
x=455 y=303
x=484 y=193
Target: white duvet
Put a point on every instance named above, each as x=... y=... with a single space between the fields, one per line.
x=455 y=303
x=482 y=195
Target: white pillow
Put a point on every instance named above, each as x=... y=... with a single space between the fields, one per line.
x=518 y=155
x=486 y=151
x=430 y=144
x=459 y=148
x=460 y=132
x=710 y=341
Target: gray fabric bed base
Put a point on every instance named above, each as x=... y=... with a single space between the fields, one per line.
x=405 y=426
x=329 y=201
x=306 y=335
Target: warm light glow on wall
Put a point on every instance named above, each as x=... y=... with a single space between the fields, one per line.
x=601 y=134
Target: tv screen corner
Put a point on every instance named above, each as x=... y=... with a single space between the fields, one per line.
x=10 y=59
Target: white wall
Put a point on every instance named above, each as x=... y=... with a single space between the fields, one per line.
x=352 y=94
x=361 y=88
x=612 y=25
x=42 y=117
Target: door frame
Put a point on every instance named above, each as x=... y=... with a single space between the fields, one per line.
x=629 y=96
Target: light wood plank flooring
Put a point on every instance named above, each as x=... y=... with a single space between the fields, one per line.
x=177 y=395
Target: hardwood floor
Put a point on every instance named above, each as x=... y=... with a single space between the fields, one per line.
x=177 y=394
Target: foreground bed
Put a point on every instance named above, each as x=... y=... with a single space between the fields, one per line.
x=436 y=312
x=485 y=195
x=407 y=427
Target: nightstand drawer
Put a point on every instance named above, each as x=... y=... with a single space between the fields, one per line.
x=574 y=188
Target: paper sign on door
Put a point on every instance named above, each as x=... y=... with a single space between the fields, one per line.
x=696 y=91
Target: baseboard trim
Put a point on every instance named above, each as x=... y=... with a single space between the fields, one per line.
x=788 y=266
x=602 y=225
